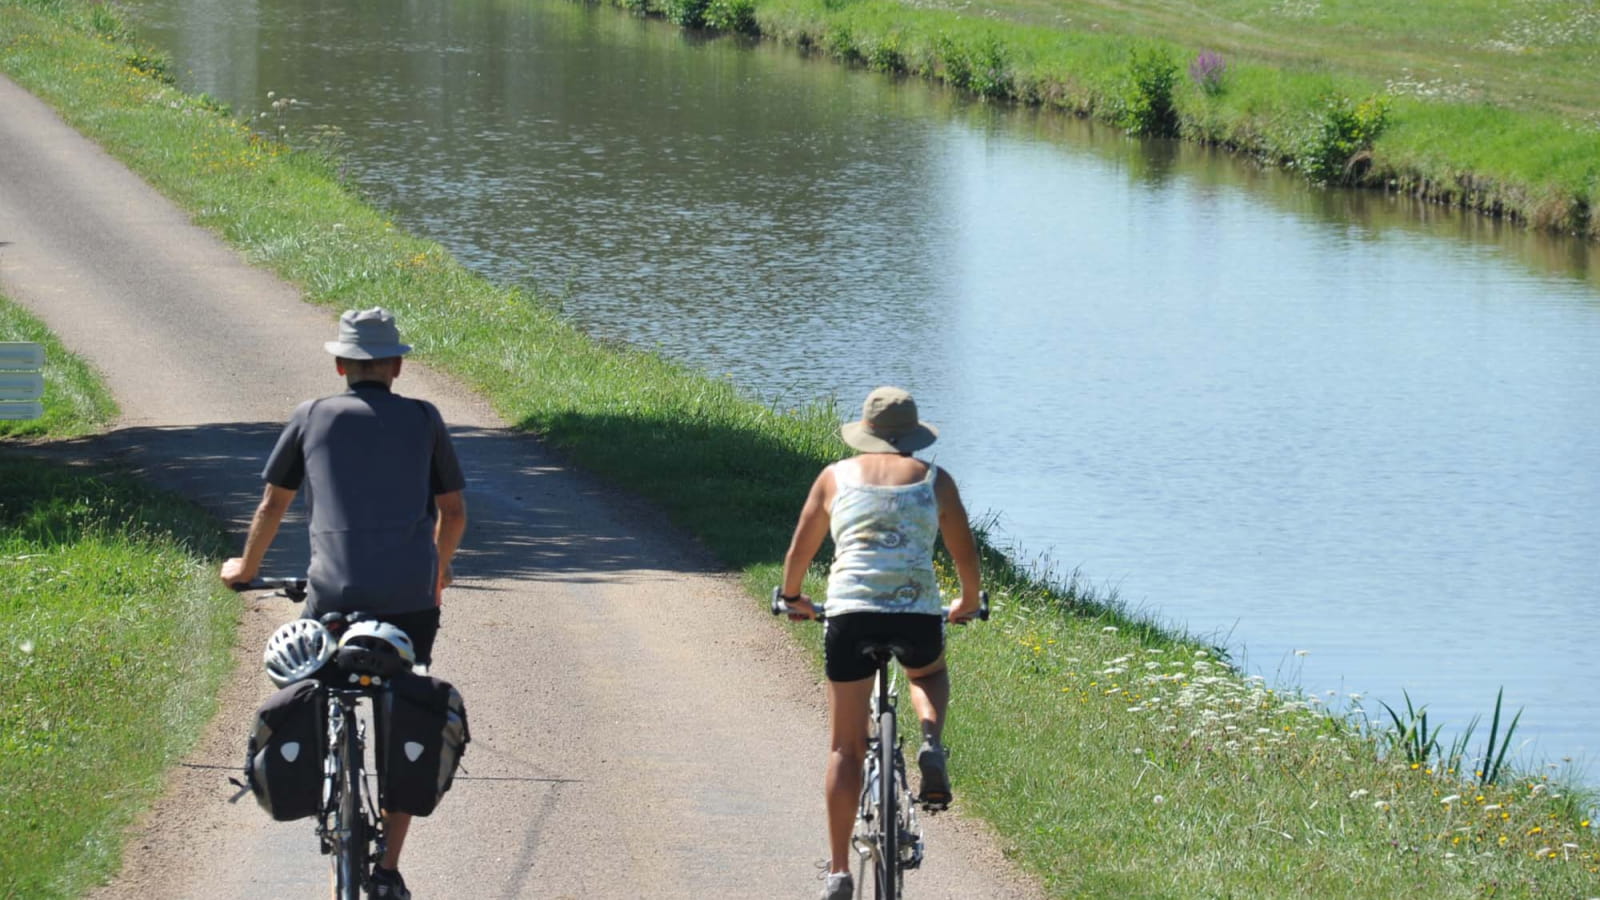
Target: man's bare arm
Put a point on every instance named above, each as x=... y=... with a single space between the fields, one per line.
x=447 y=533
x=263 y=528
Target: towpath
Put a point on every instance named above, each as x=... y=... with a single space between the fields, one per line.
x=641 y=729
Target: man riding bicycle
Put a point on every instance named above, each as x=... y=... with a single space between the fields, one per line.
x=384 y=498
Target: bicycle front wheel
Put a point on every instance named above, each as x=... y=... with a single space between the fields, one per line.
x=350 y=829
x=886 y=870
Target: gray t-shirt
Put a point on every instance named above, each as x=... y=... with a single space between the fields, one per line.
x=368 y=463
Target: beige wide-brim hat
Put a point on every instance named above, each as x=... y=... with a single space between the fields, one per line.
x=888 y=424
x=367 y=334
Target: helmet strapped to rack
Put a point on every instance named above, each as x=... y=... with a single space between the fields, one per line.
x=297 y=650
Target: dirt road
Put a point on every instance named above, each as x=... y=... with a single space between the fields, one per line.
x=641 y=728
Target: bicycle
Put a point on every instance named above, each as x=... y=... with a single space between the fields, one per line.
x=887 y=832
x=349 y=826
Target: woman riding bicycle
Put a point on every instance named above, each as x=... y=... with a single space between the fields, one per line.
x=884 y=509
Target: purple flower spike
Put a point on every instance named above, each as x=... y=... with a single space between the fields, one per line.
x=1207 y=71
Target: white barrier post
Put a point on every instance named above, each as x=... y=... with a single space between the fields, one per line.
x=21 y=380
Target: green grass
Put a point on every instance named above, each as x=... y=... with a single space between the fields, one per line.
x=113 y=638
x=1064 y=734
x=1492 y=106
x=75 y=403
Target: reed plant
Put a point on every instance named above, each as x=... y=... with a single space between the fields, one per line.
x=1115 y=757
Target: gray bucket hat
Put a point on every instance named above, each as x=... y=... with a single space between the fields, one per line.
x=888 y=424
x=367 y=334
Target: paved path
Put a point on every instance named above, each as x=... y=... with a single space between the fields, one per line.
x=641 y=729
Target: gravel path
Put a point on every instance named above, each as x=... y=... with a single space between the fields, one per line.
x=641 y=729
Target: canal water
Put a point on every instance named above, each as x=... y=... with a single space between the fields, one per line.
x=1353 y=439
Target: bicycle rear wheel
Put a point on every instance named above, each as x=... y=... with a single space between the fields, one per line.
x=350 y=826
x=886 y=868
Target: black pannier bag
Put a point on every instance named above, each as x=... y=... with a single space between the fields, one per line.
x=283 y=760
x=426 y=725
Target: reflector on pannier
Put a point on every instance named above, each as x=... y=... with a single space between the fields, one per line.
x=426 y=724
x=283 y=759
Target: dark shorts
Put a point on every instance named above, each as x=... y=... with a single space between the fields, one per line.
x=421 y=626
x=918 y=641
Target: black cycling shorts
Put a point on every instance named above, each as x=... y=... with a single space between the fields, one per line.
x=421 y=626
x=918 y=640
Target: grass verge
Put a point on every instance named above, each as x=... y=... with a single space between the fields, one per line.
x=113 y=638
x=1115 y=758
x=1483 y=105
x=75 y=403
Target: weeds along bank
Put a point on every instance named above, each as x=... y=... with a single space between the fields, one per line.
x=113 y=639
x=1322 y=90
x=1115 y=759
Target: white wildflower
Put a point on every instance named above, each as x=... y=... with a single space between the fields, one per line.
x=27 y=647
x=1381 y=805
x=1158 y=799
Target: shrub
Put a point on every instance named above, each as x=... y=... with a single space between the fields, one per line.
x=738 y=16
x=841 y=43
x=885 y=55
x=990 y=74
x=1341 y=137
x=954 y=61
x=687 y=13
x=1147 y=107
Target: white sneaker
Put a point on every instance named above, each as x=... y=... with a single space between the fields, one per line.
x=839 y=886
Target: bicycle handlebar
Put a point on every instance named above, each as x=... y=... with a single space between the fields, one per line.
x=293 y=588
x=779 y=607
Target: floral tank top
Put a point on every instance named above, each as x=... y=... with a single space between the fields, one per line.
x=883 y=545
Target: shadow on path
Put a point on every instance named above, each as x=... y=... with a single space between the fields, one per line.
x=529 y=515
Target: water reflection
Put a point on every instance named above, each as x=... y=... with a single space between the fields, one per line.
x=1288 y=418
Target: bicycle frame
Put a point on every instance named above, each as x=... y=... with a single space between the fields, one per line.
x=350 y=831
x=888 y=836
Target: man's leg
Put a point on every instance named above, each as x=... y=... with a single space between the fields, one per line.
x=395 y=826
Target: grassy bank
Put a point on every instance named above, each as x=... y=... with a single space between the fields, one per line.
x=1114 y=758
x=112 y=641
x=1480 y=104
x=74 y=401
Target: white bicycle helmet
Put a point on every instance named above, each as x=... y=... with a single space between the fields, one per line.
x=376 y=648
x=297 y=650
